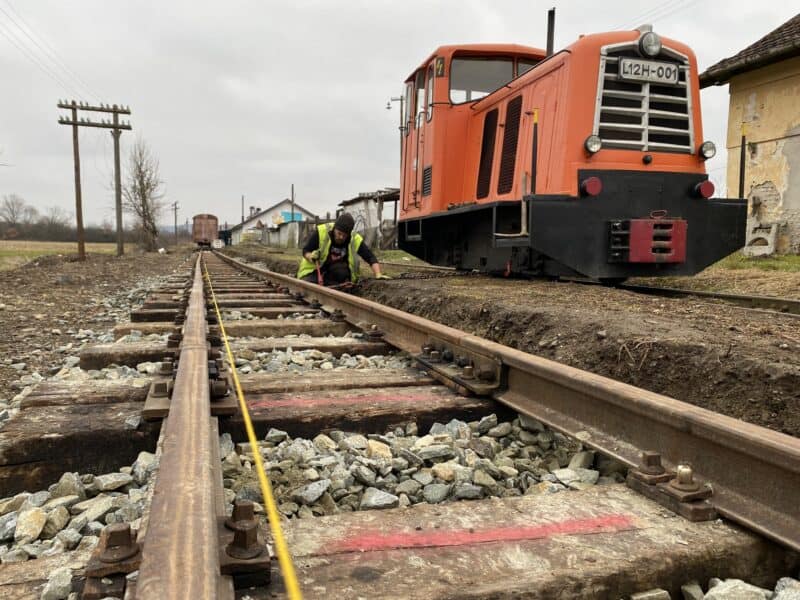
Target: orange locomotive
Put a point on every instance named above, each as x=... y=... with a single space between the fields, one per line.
x=588 y=162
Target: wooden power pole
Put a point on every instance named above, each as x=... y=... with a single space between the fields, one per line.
x=116 y=129
x=175 y=210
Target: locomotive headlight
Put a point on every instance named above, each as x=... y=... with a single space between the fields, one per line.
x=707 y=150
x=593 y=144
x=649 y=44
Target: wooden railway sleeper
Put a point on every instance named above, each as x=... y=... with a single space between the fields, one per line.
x=677 y=491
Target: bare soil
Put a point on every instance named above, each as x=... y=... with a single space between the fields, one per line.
x=40 y=302
x=738 y=362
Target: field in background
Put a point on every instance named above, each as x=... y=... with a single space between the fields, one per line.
x=14 y=253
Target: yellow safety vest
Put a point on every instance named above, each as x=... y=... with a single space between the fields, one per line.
x=307 y=267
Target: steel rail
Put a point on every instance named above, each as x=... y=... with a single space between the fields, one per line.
x=789 y=306
x=754 y=472
x=419 y=267
x=180 y=550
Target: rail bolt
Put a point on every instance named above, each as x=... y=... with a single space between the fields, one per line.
x=218 y=388
x=243 y=510
x=337 y=316
x=374 y=334
x=315 y=304
x=684 y=479
x=651 y=463
x=426 y=350
x=245 y=541
x=166 y=366
x=119 y=543
x=468 y=372
x=447 y=355
x=435 y=356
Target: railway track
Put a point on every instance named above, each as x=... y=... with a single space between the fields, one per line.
x=719 y=465
x=695 y=463
x=787 y=306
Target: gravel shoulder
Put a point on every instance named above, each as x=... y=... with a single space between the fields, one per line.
x=50 y=307
x=738 y=362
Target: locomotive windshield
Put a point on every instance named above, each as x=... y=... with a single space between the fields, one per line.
x=474 y=78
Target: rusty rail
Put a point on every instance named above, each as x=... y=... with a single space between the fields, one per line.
x=788 y=306
x=180 y=551
x=754 y=472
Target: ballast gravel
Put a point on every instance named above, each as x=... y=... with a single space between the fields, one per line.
x=73 y=511
x=342 y=471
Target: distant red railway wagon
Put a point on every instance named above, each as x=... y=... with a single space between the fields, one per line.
x=204 y=229
x=589 y=161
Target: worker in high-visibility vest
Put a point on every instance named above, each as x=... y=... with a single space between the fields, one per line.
x=332 y=251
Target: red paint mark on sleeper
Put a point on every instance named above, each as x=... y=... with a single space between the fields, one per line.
x=348 y=400
x=377 y=540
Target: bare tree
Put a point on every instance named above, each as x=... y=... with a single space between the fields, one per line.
x=143 y=192
x=29 y=215
x=55 y=216
x=12 y=209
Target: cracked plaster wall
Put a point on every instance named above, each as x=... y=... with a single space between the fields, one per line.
x=767 y=103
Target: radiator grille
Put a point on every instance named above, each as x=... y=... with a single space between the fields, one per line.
x=643 y=115
x=427 y=173
x=487 y=154
x=509 y=153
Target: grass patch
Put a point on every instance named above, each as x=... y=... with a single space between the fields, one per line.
x=14 y=253
x=789 y=263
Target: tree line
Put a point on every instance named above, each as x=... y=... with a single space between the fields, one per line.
x=142 y=198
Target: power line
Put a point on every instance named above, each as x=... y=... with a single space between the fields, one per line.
x=678 y=9
x=49 y=51
x=650 y=13
x=8 y=34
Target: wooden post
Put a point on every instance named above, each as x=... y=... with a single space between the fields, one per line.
x=115 y=133
x=78 y=200
x=116 y=129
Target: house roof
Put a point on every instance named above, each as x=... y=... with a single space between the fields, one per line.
x=256 y=217
x=386 y=194
x=777 y=45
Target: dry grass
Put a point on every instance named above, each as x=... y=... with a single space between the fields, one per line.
x=14 y=253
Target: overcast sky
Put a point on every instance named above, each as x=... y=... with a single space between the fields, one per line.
x=249 y=97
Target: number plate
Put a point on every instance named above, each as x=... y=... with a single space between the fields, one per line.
x=632 y=69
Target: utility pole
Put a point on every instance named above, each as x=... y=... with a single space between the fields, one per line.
x=175 y=210
x=242 y=208
x=402 y=127
x=292 y=217
x=116 y=129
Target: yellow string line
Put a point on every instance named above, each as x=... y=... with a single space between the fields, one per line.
x=284 y=558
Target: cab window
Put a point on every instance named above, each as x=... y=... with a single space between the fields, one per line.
x=525 y=65
x=419 y=101
x=429 y=94
x=474 y=78
x=408 y=117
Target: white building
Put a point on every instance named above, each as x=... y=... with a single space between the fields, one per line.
x=375 y=214
x=253 y=226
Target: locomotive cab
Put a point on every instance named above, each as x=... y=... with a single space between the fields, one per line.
x=586 y=162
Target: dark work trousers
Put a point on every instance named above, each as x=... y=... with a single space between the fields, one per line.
x=334 y=274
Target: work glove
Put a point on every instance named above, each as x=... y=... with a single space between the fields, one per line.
x=382 y=276
x=314 y=255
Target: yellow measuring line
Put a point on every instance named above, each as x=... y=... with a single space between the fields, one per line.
x=284 y=558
